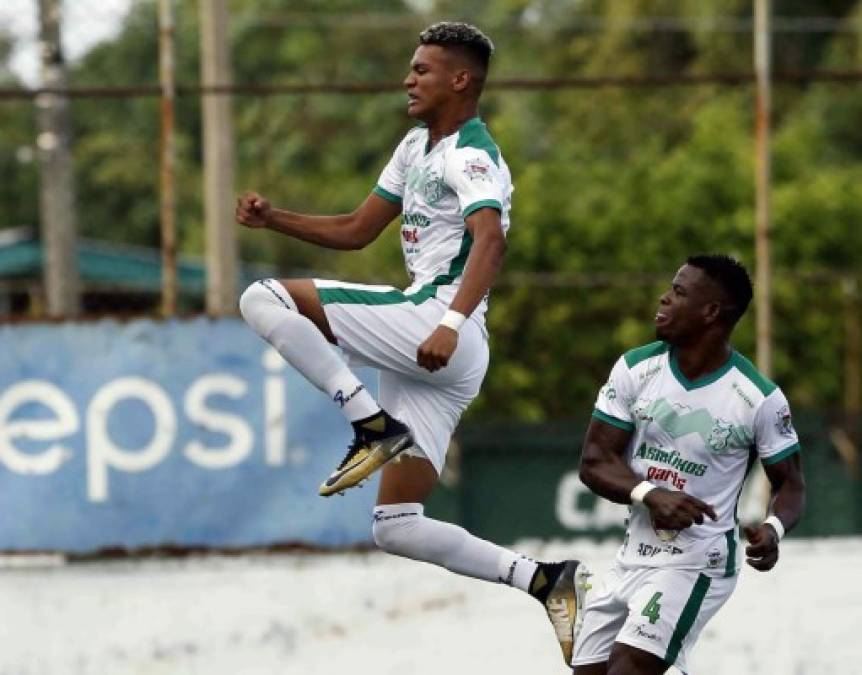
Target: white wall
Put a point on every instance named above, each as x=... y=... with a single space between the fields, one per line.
x=361 y=614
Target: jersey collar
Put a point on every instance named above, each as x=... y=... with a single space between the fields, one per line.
x=704 y=380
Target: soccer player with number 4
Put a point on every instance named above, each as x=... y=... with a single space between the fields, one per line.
x=674 y=432
x=449 y=182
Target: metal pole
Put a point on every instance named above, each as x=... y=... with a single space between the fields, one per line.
x=763 y=273
x=218 y=154
x=56 y=185
x=168 y=159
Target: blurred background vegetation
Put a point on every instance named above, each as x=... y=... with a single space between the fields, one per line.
x=615 y=185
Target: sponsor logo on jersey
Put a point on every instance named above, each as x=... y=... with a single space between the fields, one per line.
x=670 y=457
x=644 y=376
x=640 y=632
x=650 y=550
x=609 y=392
x=667 y=475
x=413 y=219
x=745 y=397
x=784 y=423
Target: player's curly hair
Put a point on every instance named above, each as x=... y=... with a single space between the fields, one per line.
x=731 y=276
x=472 y=41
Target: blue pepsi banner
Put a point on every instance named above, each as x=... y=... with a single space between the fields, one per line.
x=189 y=433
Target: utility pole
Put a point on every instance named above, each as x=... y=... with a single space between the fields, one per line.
x=167 y=164
x=756 y=499
x=218 y=153
x=56 y=185
x=763 y=271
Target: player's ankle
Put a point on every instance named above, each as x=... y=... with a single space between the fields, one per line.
x=543 y=580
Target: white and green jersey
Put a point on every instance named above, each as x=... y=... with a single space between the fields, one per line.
x=700 y=437
x=437 y=190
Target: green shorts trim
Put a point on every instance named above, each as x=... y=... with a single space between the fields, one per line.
x=687 y=618
x=355 y=296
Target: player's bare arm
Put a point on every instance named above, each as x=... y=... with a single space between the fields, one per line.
x=605 y=471
x=787 y=504
x=349 y=231
x=483 y=264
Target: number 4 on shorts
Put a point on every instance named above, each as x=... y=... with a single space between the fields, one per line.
x=652 y=609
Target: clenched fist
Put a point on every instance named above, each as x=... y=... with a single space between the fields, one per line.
x=253 y=210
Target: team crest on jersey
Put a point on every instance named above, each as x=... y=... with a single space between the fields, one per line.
x=784 y=423
x=477 y=169
x=714 y=558
x=433 y=190
x=719 y=437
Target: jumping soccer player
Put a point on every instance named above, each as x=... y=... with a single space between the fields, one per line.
x=674 y=432
x=453 y=190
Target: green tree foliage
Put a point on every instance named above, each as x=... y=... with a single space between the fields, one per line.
x=615 y=186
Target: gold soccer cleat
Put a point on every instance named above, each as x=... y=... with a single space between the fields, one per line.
x=377 y=441
x=564 y=605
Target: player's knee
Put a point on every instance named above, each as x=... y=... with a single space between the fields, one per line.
x=392 y=531
x=261 y=303
x=626 y=660
x=386 y=536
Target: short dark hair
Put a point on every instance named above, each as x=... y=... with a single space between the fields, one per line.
x=469 y=39
x=731 y=276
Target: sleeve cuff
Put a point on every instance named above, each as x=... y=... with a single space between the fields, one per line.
x=388 y=196
x=613 y=421
x=475 y=206
x=782 y=454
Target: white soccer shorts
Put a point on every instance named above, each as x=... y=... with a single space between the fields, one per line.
x=382 y=327
x=658 y=610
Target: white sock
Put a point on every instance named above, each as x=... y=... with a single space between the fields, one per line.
x=268 y=308
x=403 y=529
x=517 y=571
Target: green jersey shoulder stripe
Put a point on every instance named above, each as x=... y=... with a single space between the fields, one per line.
x=635 y=356
x=758 y=379
x=474 y=134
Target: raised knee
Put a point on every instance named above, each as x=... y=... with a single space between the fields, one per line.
x=249 y=298
x=385 y=535
x=392 y=531
x=260 y=305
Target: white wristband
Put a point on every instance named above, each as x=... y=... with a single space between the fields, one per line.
x=777 y=525
x=640 y=491
x=452 y=319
